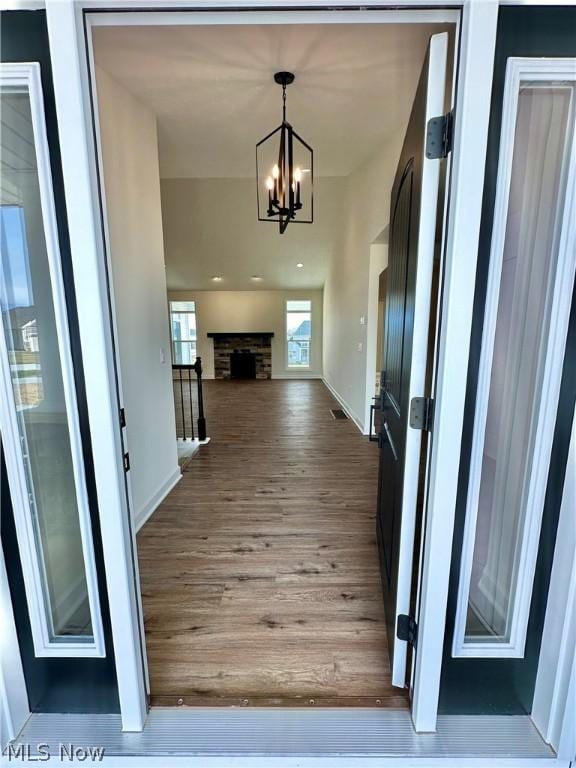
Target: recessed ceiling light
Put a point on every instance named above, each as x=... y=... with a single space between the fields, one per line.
x=217 y=279
x=256 y=278
x=299 y=265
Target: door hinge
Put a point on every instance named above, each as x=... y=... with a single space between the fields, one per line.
x=407 y=629
x=126 y=462
x=122 y=418
x=439 y=135
x=422 y=413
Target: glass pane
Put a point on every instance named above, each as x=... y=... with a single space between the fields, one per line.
x=545 y=113
x=183 y=319
x=182 y=306
x=298 y=306
x=184 y=352
x=298 y=332
x=29 y=327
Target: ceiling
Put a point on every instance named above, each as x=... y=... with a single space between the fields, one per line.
x=212 y=90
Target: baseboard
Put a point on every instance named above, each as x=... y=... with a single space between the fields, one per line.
x=145 y=512
x=287 y=376
x=345 y=407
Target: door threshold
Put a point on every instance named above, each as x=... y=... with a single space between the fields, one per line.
x=397 y=699
x=258 y=738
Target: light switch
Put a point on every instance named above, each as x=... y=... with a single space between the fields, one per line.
x=162 y=356
x=362 y=320
x=360 y=346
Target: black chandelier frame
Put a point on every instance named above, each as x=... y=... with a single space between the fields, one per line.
x=284 y=201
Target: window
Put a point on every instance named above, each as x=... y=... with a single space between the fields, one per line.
x=298 y=333
x=525 y=325
x=183 y=329
x=38 y=409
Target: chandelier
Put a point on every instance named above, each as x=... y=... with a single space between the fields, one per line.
x=285 y=172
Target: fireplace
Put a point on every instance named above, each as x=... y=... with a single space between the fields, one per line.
x=242 y=355
x=242 y=365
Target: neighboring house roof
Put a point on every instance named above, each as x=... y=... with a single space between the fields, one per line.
x=303 y=330
x=21 y=316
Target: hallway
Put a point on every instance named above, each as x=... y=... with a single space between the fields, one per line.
x=259 y=572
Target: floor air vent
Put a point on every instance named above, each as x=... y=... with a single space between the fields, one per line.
x=338 y=414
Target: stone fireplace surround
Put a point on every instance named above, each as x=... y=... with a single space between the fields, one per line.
x=259 y=343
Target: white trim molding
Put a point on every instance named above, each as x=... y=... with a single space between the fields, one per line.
x=435 y=97
x=345 y=407
x=68 y=55
x=534 y=71
x=142 y=515
x=27 y=77
x=473 y=92
x=14 y=710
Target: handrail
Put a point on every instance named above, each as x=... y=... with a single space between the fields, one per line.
x=201 y=420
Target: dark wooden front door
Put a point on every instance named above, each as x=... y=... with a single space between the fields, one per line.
x=411 y=250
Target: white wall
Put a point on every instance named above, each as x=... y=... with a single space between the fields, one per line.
x=366 y=213
x=211 y=228
x=224 y=311
x=132 y=187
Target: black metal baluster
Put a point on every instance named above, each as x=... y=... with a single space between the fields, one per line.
x=201 y=419
x=182 y=407
x=191 y=404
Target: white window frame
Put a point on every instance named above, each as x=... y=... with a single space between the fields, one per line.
x=518 y=71
x=27 y=76
x=286 y=340
x=182 y=312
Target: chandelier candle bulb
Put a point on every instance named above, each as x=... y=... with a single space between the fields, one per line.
x=270 y=187
x=298 y=177
x=275 y=174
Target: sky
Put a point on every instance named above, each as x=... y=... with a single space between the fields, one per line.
x=17 y=290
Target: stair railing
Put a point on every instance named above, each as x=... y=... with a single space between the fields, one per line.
x=184 y=402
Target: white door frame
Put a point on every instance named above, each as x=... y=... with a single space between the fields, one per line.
x=71 y=86
x=78 y=158
x=14 y=709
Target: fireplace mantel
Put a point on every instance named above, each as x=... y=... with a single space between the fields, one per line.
x=240 y=334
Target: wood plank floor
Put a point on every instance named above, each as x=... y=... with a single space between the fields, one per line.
x=259 y=572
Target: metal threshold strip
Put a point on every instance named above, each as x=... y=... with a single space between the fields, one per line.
x=292 y=737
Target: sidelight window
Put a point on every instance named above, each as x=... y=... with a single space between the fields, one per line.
x=39 y=417
x=298 y=333
x=525 y=325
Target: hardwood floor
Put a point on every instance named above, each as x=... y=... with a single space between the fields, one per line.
x=259 y=572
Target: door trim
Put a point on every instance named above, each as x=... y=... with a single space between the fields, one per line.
x=78 y=153
x=473 y=95
x=14 y=709
x=519 y=70
x=27 y=75
x=435 y=99
x=69 y=59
